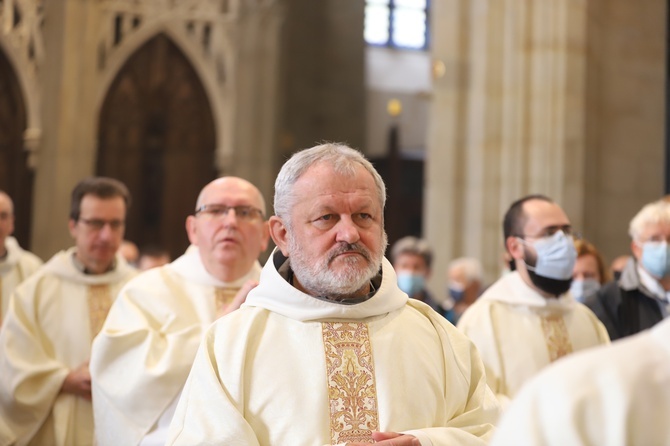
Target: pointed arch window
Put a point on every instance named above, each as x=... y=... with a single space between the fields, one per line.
x=397 y=23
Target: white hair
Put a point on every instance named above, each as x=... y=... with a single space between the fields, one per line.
x=652 y=213
x=471 y=267
x=342 y=158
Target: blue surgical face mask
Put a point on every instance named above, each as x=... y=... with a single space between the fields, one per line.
x=411 y=283
x=583 y=288
x=656 y=258
x=556 y=256
x=456 y=291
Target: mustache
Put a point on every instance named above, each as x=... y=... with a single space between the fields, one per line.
x=349 y=247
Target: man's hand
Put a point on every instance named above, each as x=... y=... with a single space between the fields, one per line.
x=239 y=298
x=391 y=439
x=78 y=382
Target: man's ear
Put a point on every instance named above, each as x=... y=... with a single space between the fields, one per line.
x=514 y=247
x=265 y=236
x=279 y=234
x=72 y=226
x=191 y=230
x=636 y=249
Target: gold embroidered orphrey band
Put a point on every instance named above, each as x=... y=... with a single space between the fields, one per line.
x=224 y=296
x=352 y=391
x=556 y=336
x=99 y=302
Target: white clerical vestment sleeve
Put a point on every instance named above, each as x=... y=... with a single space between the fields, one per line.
x=140 y=360
x=479 y=327
x=194 y=422
x=615 y=395
x=32 y=376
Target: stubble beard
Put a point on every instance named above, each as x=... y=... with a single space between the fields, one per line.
x=319 y=278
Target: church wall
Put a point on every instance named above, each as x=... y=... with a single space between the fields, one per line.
x=563 y=98
x=85 y=49
x=65 y=154
x=323 y=68
x=403 y=75
x=625 y=118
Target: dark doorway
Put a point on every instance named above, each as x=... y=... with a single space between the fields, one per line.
x=157 y=135
x=15 y=177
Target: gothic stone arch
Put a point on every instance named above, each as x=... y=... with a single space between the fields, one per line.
x=157 y=135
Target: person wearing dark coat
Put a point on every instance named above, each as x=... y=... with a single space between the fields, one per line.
x=639 y=299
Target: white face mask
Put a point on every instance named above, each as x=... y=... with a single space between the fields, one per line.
x=583 y=288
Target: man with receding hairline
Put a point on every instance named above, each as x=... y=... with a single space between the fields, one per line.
x=154 y=328
x=528 y=318
x=327 y=349
x=45 y=396
x=16 y=264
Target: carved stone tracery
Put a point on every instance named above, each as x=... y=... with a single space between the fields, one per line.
x=21 y=27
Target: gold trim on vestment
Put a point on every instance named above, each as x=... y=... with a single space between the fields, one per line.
x=224 y=296
x=99 y=302
x=352 y=390
x=556 y=336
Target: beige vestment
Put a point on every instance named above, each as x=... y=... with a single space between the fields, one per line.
x=141 y=358
x=291 y=369
x=616 y=395
x=518 y=332
x=16 y=267
x=51 y=322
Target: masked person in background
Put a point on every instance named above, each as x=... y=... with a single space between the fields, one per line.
x=589 y=273
x=464 y=276
x=527 y=319
x=412 y=259
x=639 y=299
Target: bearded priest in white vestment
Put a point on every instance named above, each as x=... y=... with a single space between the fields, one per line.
x=616 y=395
x=143 y=354
x=45 y=395
x=527 y=319
x=327 y=349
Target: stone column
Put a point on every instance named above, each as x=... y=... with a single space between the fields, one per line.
x=256 y=83
x=67 y=151
x=507 y=119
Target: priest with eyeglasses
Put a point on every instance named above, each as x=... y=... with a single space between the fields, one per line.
x=45 y=342
x=142 y=357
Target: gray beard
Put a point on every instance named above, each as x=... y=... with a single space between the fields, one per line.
x=319 y=279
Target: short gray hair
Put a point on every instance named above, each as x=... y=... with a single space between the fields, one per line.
x=471 y=267
x=652 y=213
x=342 y=158
x=412 y=245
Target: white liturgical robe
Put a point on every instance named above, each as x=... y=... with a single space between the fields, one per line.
x=51 y=322
x=616 y=395
x=16 y=267
x=142 y=356
x=291 y=369
x=518 y=332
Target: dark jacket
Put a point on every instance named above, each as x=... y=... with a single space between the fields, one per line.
x=625 y=306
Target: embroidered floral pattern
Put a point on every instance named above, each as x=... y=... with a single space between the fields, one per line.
x=223 y=297
x=351 y=380
x=556 y=336
x=99 y=301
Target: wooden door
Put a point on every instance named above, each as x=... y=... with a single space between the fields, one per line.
x=157 y=135
x=15 y=177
